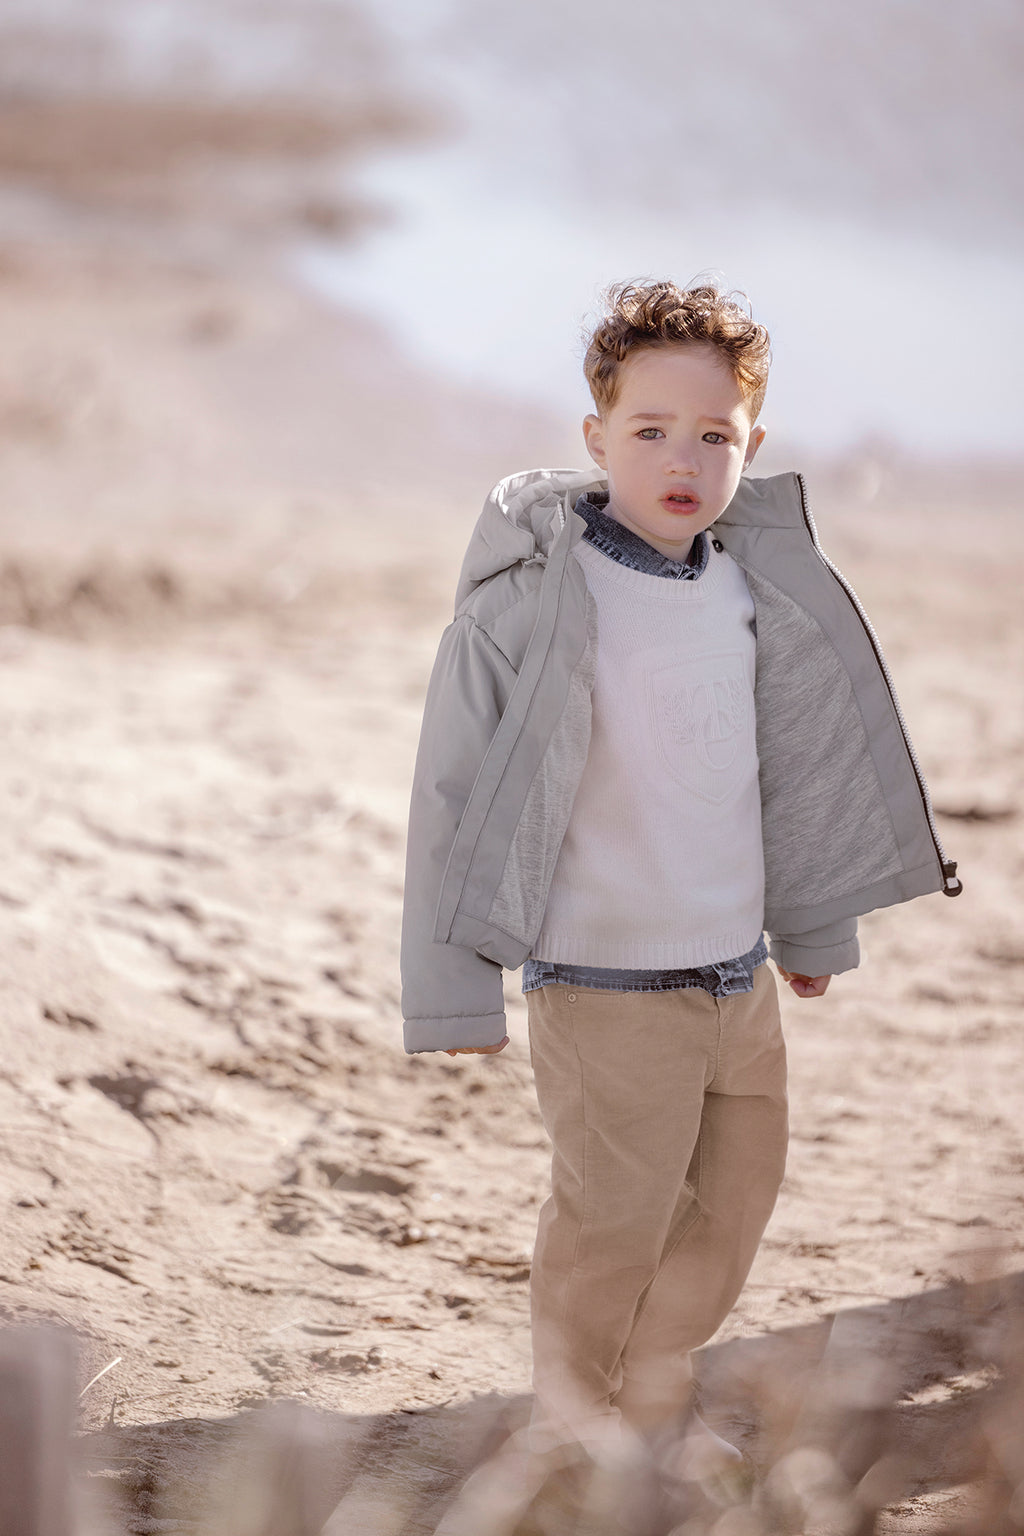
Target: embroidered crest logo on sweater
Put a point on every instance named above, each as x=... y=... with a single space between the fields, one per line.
x=702 y=710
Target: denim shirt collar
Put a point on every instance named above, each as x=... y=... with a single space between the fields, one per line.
x=628 y=548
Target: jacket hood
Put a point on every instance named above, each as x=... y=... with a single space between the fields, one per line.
x=526 y=512
x=520 y=521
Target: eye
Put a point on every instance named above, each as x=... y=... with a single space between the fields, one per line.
x=650 y=434
x=715 y=437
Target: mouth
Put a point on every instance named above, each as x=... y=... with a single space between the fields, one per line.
x=681 y=501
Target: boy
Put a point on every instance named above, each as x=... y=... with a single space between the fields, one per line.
x=659 y=724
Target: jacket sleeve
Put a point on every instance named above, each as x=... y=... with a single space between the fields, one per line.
x=451 y=996
x=824 y=951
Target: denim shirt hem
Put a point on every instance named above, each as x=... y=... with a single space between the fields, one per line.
x=723 y=979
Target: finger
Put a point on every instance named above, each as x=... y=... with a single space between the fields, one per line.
x=478 y=1050
x=809 y=986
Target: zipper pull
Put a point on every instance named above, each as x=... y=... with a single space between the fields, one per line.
x=953 y=886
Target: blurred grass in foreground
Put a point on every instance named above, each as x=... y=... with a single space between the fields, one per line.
x=837 y=1438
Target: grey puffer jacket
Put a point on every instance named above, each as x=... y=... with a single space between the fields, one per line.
x=847 y=822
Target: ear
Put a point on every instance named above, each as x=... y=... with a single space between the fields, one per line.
x=593 y=436
x=756 y=439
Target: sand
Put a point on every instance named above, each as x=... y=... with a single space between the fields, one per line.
x=232 y=533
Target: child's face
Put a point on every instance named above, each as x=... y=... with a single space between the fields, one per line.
x=674 y=444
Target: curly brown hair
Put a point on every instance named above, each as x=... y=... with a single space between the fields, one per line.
x=644 y=316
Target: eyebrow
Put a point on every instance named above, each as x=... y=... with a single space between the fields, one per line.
x=716 y=421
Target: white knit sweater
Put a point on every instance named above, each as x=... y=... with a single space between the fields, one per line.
x=662 y=865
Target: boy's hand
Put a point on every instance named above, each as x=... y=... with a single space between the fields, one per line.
x=805 y=986
x=479 y=1050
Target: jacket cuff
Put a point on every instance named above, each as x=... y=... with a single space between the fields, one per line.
x=824 y=951
x=453 y=1034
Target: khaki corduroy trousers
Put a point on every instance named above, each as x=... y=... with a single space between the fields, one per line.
x=667 y=1116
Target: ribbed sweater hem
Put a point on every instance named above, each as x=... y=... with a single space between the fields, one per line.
x=643 y=954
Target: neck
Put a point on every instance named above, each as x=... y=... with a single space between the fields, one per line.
x=672 y=549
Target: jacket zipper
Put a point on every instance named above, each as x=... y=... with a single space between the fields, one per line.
x=951 y=885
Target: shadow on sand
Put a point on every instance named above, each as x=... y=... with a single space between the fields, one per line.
x=902 y=1400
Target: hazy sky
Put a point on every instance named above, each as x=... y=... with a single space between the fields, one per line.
x=859 y=173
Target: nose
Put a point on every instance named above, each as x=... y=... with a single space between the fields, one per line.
x=681 y=460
